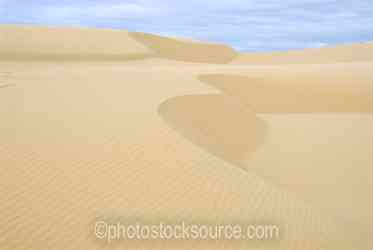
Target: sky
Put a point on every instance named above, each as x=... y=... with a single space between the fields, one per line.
x=247 y=25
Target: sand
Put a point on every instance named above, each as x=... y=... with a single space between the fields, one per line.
x=133 y=129
x=324 y=55
x=41 y=43
x=183 y=50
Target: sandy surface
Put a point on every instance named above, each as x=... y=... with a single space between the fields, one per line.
x=90 y=131
x=342 y=53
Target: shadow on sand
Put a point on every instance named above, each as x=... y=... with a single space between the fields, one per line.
x=217 y=123
x=226 y=124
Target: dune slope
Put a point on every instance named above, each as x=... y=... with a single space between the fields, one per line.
x=190 y=51
x=40 y=43
x=343 y=53
x=331 y=88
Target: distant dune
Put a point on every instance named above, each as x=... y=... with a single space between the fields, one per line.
x=168 y=130
x=330 y=88
x=183 y=50
x=40 y=43
x=342 y=53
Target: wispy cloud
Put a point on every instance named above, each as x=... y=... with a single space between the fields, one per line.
x=245 y=24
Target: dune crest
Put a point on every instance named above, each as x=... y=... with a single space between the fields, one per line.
x=29 y=43
x=182 y=50
x=217 y=123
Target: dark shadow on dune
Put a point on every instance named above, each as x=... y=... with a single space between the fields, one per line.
x=217 y=123
x=227 y=126
x=188 y=51
x=278 y=96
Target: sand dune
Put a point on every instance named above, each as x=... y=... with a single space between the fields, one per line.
x=166 y=138
x=343 y=88
x=40 y=43
x=183 y=50
x=216 y=122
x=72 y=44
x=343 y=53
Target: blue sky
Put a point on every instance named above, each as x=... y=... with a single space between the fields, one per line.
x=248 y=25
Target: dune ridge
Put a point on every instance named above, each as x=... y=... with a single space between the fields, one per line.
x=83 y=44
x=68 y=44
x=232 y=131
x=190 y=51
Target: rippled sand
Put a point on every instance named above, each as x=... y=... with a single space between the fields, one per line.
x=105 y=123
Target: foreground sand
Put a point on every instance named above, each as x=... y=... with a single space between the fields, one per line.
x=134 y=130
